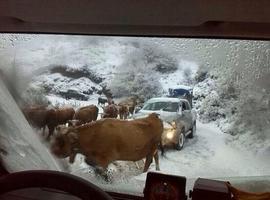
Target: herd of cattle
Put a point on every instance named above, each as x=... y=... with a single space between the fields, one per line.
x=42 y=116
x=100 y=141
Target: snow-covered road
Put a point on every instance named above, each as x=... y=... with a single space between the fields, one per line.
x=209 y=154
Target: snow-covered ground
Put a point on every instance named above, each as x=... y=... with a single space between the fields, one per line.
x=208 y=155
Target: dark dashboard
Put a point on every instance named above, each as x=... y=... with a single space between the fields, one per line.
x=42 y=184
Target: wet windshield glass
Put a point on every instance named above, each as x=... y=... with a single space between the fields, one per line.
x=165 y=106
x=52 y=80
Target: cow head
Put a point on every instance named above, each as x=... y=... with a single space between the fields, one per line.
x=63 y=141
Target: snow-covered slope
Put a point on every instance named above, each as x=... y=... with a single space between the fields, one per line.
x=96 y=56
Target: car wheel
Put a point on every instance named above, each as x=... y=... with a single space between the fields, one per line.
x=193 y=131
x=180 y=141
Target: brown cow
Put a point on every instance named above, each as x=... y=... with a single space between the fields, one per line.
x=130 y=102
x=108 y=140
x=86 y=114
x=36 y=116
x=110 y=111
x=58 y=116
x=42 y=116
x=123 y=111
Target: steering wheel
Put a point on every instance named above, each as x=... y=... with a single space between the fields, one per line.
x=52 y=179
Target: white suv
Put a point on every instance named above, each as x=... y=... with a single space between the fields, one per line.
x=178 y=117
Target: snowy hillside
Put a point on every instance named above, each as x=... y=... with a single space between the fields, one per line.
x=94 y=65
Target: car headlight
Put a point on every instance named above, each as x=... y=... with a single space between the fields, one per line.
x=170 y=134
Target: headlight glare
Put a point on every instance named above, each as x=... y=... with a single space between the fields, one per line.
x=170 y=134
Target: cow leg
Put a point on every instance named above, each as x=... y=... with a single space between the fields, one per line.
x=100 y=167
x=51 y=129
x=156 y=161
x=148 y=161
x=98 y=170
x=137 y=165
x=72 y=157
x=102 y=173
x=90 y=162
x=43 y=130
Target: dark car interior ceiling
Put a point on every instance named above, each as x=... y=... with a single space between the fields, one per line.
x=176 y=18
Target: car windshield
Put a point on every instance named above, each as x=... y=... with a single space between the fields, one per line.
x=165 y=106
x=68 y=80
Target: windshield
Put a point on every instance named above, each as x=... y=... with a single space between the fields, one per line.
x=165 y=106
x=51 y=80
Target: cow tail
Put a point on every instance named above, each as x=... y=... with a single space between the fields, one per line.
x=161 y=145
x=162 y=149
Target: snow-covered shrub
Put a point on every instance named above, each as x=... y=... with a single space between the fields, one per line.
x=76 y=73
x=211 y=104
x=188 y=80
x=254 y=112
x=67 y=87
x=211 y=109
x=60 y=104
x=135 y=77
x=204 y=88
x=201 y=74
x=246 y=87
x=159 y=59
x=145 y=87
x=251 y=124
